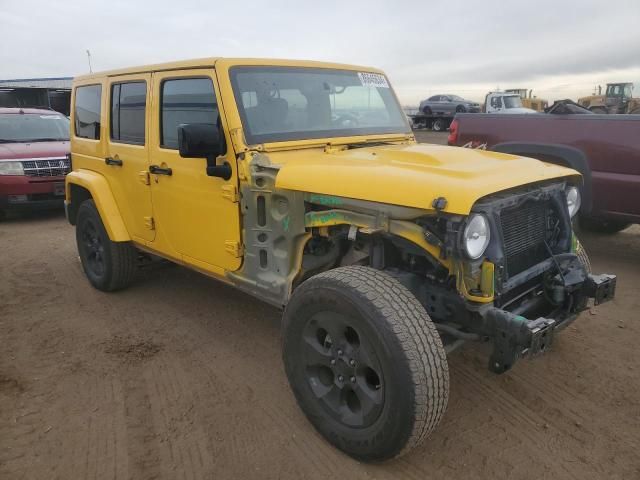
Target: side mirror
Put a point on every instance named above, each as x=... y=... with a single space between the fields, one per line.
x=198 y=140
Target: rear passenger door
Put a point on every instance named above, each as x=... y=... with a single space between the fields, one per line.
x=127 y=152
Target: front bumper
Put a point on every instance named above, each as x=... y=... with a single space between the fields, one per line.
x=515 y=336
x=19 y=192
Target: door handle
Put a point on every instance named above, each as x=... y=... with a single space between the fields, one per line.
x=113 y=161
x=156 y=170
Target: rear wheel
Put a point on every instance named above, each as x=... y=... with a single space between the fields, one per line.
x=365 y=362
x=602 y=225
x=438 y=125
x=427 y=111
x=108 y=265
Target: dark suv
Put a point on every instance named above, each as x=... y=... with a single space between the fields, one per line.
x=34 y=158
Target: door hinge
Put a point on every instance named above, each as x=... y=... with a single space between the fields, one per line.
x=144 y=177
x=230 y=192
x=149 y=223
x=234 y=248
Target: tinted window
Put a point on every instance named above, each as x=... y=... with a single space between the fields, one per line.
x=435 y=98
x=87 y=111
x=128 y=102
x=187 y=100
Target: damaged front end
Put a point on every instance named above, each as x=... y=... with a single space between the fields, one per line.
x=530 y=271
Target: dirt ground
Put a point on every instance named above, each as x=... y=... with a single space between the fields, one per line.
x=180 y=377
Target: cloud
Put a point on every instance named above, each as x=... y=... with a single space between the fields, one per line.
x=423 y=46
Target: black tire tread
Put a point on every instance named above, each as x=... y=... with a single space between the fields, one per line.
x=410 y=323
x=124 y=256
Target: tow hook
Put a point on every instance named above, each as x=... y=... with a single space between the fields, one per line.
x=516 y=337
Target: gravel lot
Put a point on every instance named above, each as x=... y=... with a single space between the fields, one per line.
x=181 y=377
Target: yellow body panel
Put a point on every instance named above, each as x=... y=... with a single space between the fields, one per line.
x=410 y=175
x=193 y=219
x=132 y=195
x=100 y=190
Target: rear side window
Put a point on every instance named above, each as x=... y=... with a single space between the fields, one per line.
x=87 y=112
x=185 y=100
x=128 y=103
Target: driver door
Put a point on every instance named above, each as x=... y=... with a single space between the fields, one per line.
x=197 y=217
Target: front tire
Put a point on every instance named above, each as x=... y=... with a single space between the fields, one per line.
x=365 y=362
x=108 y=265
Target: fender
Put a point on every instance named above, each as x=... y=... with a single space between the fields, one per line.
x=101 y=194
x=557 y=154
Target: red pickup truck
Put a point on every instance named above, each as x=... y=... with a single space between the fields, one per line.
x=605 y=149
x=34 y=158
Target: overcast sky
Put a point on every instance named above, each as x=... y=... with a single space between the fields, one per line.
x=559 y=48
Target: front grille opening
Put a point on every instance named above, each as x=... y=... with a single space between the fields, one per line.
x=51 y=167
x=525 y=229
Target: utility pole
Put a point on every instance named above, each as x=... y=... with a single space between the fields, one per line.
x=89 y=59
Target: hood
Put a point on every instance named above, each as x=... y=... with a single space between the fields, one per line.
x=410 y=175
x=13 y=151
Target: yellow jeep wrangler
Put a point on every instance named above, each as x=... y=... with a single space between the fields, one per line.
x=302 y=184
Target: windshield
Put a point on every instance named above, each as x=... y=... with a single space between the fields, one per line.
x=283 y=103
x=512 y=102
x=29 y=127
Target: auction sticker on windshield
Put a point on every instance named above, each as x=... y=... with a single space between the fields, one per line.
x=373 y=80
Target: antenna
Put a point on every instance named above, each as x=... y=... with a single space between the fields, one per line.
x=89 y=59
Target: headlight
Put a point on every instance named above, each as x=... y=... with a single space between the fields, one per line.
x=11 y=168
x=573 y=200
x=476 y=236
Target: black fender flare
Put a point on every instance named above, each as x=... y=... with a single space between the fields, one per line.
x=560 y=155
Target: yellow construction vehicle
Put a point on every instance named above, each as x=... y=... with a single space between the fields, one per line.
x=528 y=100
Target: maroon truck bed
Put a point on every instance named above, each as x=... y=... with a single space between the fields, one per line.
x=605 y=149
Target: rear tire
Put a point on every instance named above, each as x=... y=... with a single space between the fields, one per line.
x=427 y=111
x=365 y=362
x=108 y=265
x=602 y=225
x=438 y=125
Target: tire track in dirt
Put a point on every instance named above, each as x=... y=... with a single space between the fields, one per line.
x=214 y=401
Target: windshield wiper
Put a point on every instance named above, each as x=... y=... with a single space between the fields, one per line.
x=375 y=143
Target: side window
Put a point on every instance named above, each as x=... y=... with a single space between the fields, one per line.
x=185 y=100
x=87 y=112
x=496 y=102
x=128 y=103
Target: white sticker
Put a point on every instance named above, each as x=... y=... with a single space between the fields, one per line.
x=57 y=117
x=373 y=80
